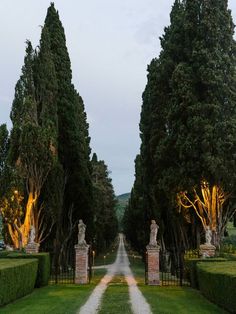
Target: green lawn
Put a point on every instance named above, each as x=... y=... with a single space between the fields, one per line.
x=55 y=299
x=178 y=300
x=116 y=298
x=168 y=300
x=107 y=257
x=66 y=299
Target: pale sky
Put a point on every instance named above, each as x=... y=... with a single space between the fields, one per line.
x=110 y=43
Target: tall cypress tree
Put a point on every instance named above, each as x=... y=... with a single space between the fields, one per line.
x=154 y=130
x=202 y=114
x=31 y=153
x=46 y=95
x=135 y=217
x=73 y=139
x=188 y=122
x=106 y=223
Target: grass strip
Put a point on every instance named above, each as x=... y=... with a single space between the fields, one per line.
x=116 y=298
x=178 y=300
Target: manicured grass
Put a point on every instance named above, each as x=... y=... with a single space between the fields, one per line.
x=178 y=300
x=11 y=262
x=56 y=299
x=138 y=268
x=116 y=298
x=105 y=258
x=168 y=300
x=226 y=268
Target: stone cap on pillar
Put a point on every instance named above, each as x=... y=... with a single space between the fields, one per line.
x=83 y=246
x=153 y=247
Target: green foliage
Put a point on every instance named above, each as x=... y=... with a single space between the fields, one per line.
x=54 y=299
x=217 y=281
x=187 y=124
x=116 y=299
x=191 y=268
x=43 y=273
x=170 y=299
x=3 y=254
x=105 y=220
x=49 y=143
x=17 y=278
x=73 y=138
x=122 y=202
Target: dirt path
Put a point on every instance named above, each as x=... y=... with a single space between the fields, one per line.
x=120 y=267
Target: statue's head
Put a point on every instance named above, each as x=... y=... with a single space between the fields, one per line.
x=80 y=221
x=153 y=221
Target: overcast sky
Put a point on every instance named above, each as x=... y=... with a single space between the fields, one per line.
x=110 y=43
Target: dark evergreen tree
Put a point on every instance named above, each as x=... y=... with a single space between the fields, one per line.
x=31 y=155
x=188 y=124
x=135 y=217
x=46 y=90
x=73 y=139
x=105 y=220
x=202 y=114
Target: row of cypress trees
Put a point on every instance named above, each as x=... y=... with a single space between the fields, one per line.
x=185 y=172
x=46 y=159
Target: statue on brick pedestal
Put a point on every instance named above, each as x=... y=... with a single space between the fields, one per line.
x=81 y=233
x=153 y=233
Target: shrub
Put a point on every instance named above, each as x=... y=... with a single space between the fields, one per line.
x=43 y=273
x=229 y=256
x=3 y=254
x=217 y=281
x=17 y=278
x=191 y=268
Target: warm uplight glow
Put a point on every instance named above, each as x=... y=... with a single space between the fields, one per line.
x=207 y=203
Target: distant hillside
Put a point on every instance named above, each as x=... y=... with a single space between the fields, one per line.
x=120 y=208
x=123 y=198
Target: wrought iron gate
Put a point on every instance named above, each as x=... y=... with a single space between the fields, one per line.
x=172 y=268
x=63 y=267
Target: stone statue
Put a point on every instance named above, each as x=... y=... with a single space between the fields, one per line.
x=153 y=233
x=81 y=234
x=32 y=234
x=9 y=248
x=208 y=235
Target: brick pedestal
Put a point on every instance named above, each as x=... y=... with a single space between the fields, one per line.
x=207 y=250
x=32 y=248
x=81 y=264
x=153 y=275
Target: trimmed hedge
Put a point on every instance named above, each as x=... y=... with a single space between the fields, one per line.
x=217 y=281
x=3 y=254
x=191 y=268
x=43 y=273
x=229 y=256
x=17 y=278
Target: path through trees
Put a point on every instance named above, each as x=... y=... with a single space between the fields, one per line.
x=120 y=267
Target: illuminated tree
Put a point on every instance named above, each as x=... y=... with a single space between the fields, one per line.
x=188 y=123
x=32 y=149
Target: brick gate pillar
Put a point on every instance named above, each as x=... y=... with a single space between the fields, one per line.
x=153 y=271
x=81 y=264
